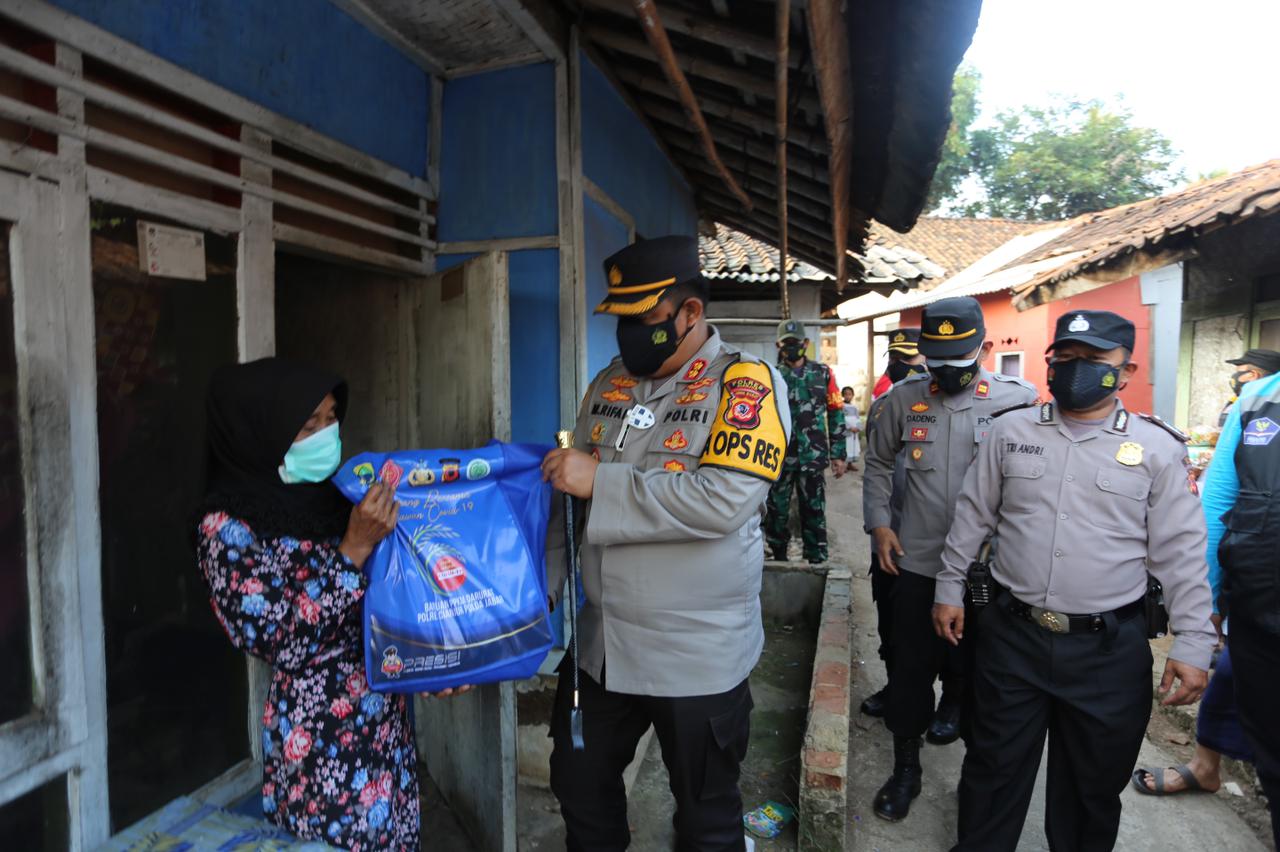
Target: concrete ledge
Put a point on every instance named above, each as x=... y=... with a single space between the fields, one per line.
x=824 y=760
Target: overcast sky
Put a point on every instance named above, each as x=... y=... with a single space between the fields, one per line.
x=1205 y=73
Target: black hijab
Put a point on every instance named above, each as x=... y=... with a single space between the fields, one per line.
x=255 y=412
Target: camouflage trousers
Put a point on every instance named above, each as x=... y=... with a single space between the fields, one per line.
x=811 y=486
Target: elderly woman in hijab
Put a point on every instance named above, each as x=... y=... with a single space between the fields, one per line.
x=282 y=552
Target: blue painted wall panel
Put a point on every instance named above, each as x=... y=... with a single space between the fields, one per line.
x=534 y=280
x=535 y=345
x=498 y=159
x=304 y=59
x=603 y=235
x=621 y=157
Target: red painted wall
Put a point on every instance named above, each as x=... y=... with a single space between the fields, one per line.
x=1030 y=332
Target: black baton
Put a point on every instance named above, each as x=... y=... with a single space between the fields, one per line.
x=564 y=440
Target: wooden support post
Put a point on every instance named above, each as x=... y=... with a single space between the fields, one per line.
x=829 y=41
x=90 y=820
x=872 y=376
x=780 y=108
x=647 y=15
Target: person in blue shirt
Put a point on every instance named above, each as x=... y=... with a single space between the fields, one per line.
x=1218 y=729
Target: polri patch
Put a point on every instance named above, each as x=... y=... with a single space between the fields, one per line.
x=616 y=395
x=747 y=433
x=598 y=433
x=695 y=370
x=674 y=466
x=1260 y=432
x=623 y=382
x=984 y=390
x=917 y=454
x=920 y=406
x=919 y=433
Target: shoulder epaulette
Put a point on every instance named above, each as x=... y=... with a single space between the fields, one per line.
x=1017 y=407
x=914 y=377
x=1015 y=380
x=1168 y=427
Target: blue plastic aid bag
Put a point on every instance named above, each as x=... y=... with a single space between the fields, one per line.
x=458 y=593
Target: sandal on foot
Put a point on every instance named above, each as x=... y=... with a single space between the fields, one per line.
x=1188 y=778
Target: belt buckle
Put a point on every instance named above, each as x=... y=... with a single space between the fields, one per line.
x=1054 y=622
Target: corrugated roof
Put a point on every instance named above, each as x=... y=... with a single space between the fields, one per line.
x=1158 y=224
x=989 y=274
x=953 y=243
x=729 y=254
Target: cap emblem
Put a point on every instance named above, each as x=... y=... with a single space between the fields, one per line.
x=615 y=276
x=946 y=328
x=899 y=337
x=1078 y=324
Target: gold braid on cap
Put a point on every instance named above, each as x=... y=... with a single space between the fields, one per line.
x=630 y=309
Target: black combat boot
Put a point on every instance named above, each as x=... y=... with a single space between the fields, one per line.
x=945 y=727
x=894 y=799
x=874 y=705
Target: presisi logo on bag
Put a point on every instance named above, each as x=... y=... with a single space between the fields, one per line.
x=392 y=665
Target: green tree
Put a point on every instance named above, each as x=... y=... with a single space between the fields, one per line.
x=955 y=164
x=1068 y=158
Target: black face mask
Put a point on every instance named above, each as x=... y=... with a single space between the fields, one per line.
x=899 y=370
x=1236 y=384
x=792 y=352
x=1079 y=385
x=645 y=348
x=952 y=380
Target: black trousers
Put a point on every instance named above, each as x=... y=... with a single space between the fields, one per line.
x=916 y=657
x=704 y=740
x=1090 y=692
x=1255 y=657
x=881 y=592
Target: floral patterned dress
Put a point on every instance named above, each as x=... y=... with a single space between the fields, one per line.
x=339 y=764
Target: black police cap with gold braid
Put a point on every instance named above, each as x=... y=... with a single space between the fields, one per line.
x=905 y=341
x=642 y=272
x=951 y=328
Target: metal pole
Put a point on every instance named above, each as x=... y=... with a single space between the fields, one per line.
x=780 y=108
x=564 y=440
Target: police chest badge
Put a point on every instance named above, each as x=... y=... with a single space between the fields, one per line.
x=1129 y=454
x=747 y=433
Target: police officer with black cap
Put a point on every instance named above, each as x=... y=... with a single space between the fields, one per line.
x=1252 y=365
x=679 y=439
x=1084 y=499
x=937 y=421
x=904 y=360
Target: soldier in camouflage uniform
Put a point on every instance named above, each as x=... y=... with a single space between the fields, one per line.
x=817 y=439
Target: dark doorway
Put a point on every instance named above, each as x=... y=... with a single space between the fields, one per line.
x=15 y=617
x=176 y=688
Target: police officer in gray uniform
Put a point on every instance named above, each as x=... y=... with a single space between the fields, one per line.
x=937 y=421
x=1084 y=498
x=679 y=440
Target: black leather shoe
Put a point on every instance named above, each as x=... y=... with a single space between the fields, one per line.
x=874 y=705
x=893 y=802
x=946 y=724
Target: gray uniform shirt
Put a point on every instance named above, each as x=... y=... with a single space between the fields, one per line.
x=1081 y=520
x=937 y=436
x=671 y=552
